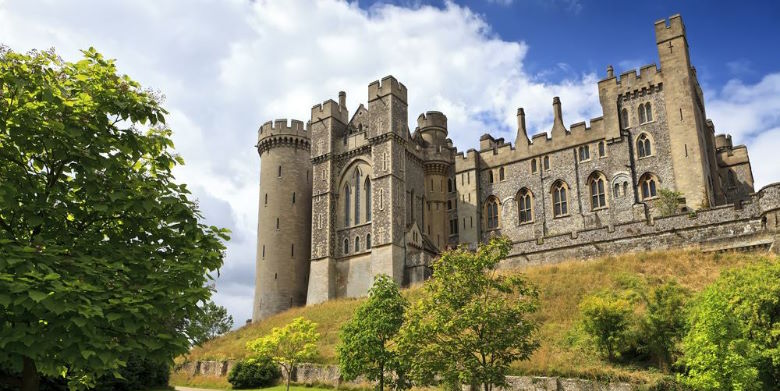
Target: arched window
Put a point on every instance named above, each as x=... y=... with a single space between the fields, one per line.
x=598 y=198
x=616 y=191
x=644 y=146
x=367 y=190
x=584 y=153
x=546 y=162
x=625 y=188
x=490 y=176
x=357 y=243
x=357 y=196
x=560 y=200
x=501 y=174
x=602 y=150
x=524 y=208
x=642 y=114
x=368 y=241
x=347 y=198
x=648 y=184
x=492 y=213
x=624 y=118
x=648 y=112
x=346 y=246
x=449 y=185
x=533 y=166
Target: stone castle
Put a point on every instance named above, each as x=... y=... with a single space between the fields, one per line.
x=343 y=198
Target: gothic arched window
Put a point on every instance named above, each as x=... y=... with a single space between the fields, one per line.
x=624 y=118
x=501 y=174
x=648 y=184
x=346 y=246
x=490 y=176
x=598 y=198
x=347 y=198
x=367 y=190
x=644 y=146
x=492 y=213
x=546 y=162
x=616 y=191
x=560 y=199
x=648 y=112
x=357 y=243
x=642 y=114
x=357 y=196
x=524 y=208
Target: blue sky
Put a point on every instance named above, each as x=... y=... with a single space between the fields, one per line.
x=227 y=66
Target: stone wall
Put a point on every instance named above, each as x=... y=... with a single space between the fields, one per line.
x=330 y=374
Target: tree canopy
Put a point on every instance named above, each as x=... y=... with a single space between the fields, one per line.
x=102 y=253
x=288 y=346
x=472 y=322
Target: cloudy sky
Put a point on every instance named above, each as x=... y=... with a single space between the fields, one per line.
x=227 y=66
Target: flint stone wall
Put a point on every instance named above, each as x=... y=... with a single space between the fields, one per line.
x=330 y=374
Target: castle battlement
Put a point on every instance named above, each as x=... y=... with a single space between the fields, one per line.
x=329 y=109
x=282 y=126
x=669 y=29
x=432 y=119
x=388 y=86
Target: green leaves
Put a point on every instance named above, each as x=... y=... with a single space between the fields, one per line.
x=91 y=258
x=289 y=345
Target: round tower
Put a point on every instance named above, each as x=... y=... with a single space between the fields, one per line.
x=437 y=169
x=283 y=218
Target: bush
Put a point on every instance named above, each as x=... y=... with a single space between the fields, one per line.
x=607 y=319
x=663 y=325
x=254 y=373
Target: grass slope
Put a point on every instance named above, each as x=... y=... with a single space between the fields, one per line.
x=561 y=287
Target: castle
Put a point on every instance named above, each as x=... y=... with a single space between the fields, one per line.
x=343 y=198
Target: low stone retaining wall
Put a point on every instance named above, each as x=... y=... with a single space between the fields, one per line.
x=330 y=374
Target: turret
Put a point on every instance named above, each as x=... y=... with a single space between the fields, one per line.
x=283 y=219
x=433 y=127
x=522 y=134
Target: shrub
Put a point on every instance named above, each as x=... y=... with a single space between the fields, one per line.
x=663 y=325
x=138 y=374
x=254 y=373
x=668 y=202
x=607 y=318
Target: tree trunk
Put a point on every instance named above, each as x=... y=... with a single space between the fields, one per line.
x=289 y=375
x=30 y=378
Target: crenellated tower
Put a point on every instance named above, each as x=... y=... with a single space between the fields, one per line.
x=284 y=218
x=438 y=170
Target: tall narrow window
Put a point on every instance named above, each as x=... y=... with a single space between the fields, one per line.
x=263 y=251
x=601 y=149
x=347 y=198
x=625 y=188
x=648 y=112
x=292 y=250
x=624 y=118
x=346 y=246
x=492 y=213
x=357 y=243
x=277 y=223
x=546 y=162
x=449 y=185
x=357 y=196
x=533 y=166
x=490 y=176
x=368 y=241
x=647 y=185
x=524 y=211
x=642 y=114
x=644 y=146
x=597 y=197
x=616 y=191
x=584 y=153
x=367 y=189
x=501 y=174
x=266 y=198
x=293 y=198
x=560 y=201
x=279 y=174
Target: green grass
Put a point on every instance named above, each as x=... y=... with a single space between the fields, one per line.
x=561 y=288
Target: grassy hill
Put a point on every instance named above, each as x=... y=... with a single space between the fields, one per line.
x=561 y=288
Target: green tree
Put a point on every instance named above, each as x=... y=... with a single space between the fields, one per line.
x=663 y=325
x=367 y=340
x=733 y=340
x=102 y=255
x=606 y=317
x=472 y=322
x=211 y=321
x=288 y=346
x=668 y=201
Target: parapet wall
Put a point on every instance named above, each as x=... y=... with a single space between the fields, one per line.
x=280 y=133
x=744 y=226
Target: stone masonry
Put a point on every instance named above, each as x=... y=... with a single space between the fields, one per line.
x=345 y=198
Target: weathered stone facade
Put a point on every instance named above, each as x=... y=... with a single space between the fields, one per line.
x=385 y=199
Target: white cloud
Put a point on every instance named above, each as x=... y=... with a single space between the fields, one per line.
x=228 y=66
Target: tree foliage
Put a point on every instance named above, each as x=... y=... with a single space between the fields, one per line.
x=607 y=318
x=367 y=341
x=257 y=372
x=102 y=255
x=472 y=322
x=288 y=346
x=663 y=324
x=211 y=322
x=668 y=201
x=734 y=337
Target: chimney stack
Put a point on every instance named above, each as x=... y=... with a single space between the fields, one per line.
x=522 y=134
x=342 y=99
x=610 y=72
